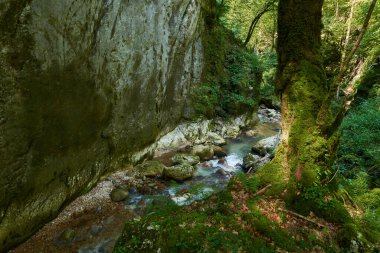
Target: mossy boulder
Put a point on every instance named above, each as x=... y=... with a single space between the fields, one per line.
x=266 y=146
x=219 y=151
x=250 y=161
x=150 y=168
x=216 y=139
x=179 y=172
x=185 y=158
x=119 y=194
x=205 y=152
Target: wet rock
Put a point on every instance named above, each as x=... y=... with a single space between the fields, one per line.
x=222 y=161
x=250 y=160
x=251 y=133
x=145 y=189
x=179 y=172
x=232 y=131
x=205 y=165
x=150 y=168
x=152 y=185
x=119 y=194
x=268 y=115
x=216 y=139
x=266 y=146
x=205 y=152
x=185 y=158
x=219 y=151
x=221 y=172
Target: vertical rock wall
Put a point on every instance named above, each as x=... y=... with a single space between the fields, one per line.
x=84 y=87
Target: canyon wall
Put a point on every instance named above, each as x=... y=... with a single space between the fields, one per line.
x=85 y=87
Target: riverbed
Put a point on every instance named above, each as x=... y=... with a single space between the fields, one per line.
x=92 y=223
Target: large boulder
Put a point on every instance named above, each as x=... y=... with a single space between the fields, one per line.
x=205 y=152
x=219 y=151
x=266 y=146
x=150 y=168
x=216 y=139
x=252 y=162
x=185 y=158
x=119 y=194
x=179 y=172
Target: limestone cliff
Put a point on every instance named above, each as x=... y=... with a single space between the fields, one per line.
x=85 y=86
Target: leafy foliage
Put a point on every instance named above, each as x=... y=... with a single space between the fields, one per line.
x=231 y=79
x=360 y=145
x=239 y=16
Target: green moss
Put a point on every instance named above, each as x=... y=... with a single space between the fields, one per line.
x=231 y=77
x=346 y=234
x=249 y=183
x=274 y=173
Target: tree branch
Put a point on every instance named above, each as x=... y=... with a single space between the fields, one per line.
x=256 y=20
x=348 y=59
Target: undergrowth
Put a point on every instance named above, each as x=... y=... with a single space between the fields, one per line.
x=235 y=220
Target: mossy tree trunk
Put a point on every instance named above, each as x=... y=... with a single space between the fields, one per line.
x=306 y=153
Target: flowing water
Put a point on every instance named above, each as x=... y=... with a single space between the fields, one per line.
x=96 y=229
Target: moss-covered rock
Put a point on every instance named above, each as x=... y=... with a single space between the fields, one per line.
x=119 y=194
x=205 y=152
x=179 y=172
x=250 y=160
x=185 y=158
x=266 y=146
x=150 y=168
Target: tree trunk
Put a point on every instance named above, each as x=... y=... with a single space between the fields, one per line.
x=336 y=8
x=349 y=97
x=255 y=21
x=348 y=34
x=346 y=61
x=305 y=155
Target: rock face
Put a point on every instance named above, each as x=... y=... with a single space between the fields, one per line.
x=85 y=86
x=204 y=132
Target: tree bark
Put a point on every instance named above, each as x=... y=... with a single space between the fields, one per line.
x=348 y=33
x=346 y=42
x=305 y=155
x=309 y=133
